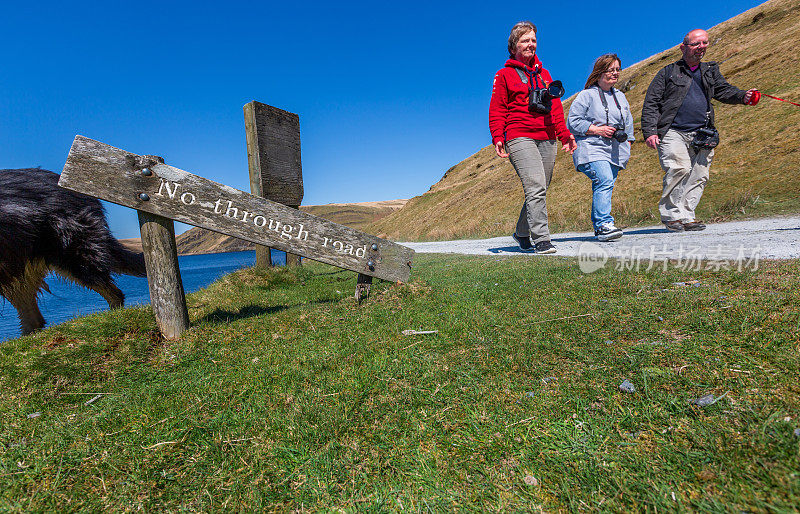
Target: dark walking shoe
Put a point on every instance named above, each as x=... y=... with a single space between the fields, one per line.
x=545 y=247
x=674 y=226
x=523 y=242
x=694 y=225
x=608 y=232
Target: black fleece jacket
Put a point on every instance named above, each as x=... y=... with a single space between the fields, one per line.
x=666 y=93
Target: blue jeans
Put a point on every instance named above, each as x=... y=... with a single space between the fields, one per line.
x=603 y=175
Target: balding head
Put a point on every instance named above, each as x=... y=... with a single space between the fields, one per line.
x=694 y=33
x=694 y=46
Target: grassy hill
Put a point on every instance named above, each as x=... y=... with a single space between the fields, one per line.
x=285 y=395
x=756 y=168
x=355 y=215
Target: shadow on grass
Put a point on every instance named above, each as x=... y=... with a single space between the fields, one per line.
x=251 y=311
x=334 y=272
x=248 y=311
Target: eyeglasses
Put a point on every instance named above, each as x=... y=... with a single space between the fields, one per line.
x=698 y=43
x=613 y=70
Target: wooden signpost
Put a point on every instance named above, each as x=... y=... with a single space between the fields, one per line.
x=162 y=193
x=273 y=158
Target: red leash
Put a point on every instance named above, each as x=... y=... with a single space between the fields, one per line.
x=756 y=96
x=781 y=99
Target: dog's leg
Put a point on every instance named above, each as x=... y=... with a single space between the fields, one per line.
x=30 y=317
x=113 y=295
x=23 y=295
x=100 y=283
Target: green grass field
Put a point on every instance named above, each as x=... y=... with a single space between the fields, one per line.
x=286 y=395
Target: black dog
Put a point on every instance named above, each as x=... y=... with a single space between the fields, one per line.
x=46 y=228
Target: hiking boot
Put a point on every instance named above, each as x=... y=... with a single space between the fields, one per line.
x=607 y=232
x=694 y=225
x=524 y=242
x=674 y=226
x=544 y=247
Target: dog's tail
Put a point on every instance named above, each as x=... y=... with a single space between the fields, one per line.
x=128 y=262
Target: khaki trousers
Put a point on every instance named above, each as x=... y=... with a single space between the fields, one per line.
x=534 y=161
x=685 y=176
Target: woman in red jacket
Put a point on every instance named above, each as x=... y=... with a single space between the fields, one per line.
x=524 y=126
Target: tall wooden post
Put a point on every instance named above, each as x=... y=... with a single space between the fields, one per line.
x=273 y=158
x=163 y=276
x=161 y=260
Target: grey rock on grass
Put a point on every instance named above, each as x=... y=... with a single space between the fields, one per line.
x=707 y=399
x=627 y=386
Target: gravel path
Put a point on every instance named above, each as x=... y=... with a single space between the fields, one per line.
x=769 y=238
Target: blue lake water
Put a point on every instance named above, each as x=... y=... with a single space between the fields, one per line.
x=69 y=300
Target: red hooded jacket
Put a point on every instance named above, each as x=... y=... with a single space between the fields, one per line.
x=508 y=108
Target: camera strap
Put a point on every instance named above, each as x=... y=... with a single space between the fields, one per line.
x=708 y=109
x=534 y=77
x=605 y=104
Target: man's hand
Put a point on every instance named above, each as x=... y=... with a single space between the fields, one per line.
x=653 y=141
x=570 y=145
x=748 y=95
x=602 y=130
x=499 y=147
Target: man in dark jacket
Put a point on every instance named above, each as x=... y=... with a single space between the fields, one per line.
x=677 y=104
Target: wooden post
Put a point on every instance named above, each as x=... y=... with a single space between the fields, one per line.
x=263 y=256
x=293 y=259
x=273 y=158
x=163 y=276
x=363 y=284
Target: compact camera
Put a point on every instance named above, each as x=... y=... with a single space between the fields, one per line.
x=540 y=100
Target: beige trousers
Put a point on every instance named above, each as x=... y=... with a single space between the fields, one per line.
x=534 y=161
x=685 y=176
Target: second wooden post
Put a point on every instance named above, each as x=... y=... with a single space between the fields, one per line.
x=273 y=158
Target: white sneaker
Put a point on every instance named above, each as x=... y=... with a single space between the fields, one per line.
x=608 y=232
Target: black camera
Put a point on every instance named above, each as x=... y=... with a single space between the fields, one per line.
x=705 y=138
x=619 y=134
x=541 y=99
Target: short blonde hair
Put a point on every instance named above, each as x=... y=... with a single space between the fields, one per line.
x=519 y=30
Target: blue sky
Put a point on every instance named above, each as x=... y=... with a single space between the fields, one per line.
x=389 y=95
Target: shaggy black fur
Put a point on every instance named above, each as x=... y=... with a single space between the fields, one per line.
x=44 y=227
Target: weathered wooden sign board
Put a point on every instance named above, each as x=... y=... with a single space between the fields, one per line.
x=273 y=159
x=100 y=170
x=273 y=153
x=163 y=193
